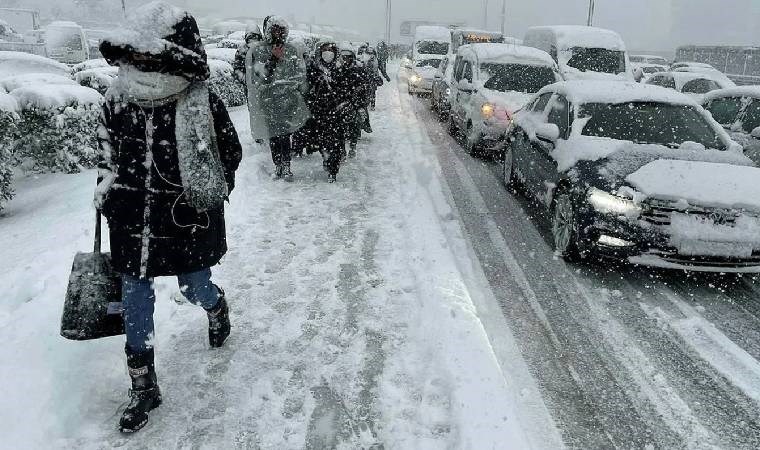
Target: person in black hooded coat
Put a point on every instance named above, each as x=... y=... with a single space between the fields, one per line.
x=169 y=153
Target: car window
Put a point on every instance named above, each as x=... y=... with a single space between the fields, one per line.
x=751 y=116
x=524 y=78
x=725 y=110
x=665 y=81
x=458 y=69
x=542 y=101
x=559 y=114
x=434 y=63
x=467 y=71
x=699 y=86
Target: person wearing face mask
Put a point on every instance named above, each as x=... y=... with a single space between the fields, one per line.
x=328 y=105
x=354 y=90
x=251 y=36
x=276 y=79
x=368 y=57
x=168 y=156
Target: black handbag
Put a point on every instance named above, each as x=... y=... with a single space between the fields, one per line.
x=93 y=307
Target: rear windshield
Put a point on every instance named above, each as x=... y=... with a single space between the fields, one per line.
x=517 y=77
x=432 y=48
x=650 y=123
x=751 y=117
x=429 y=63
x=725 y=110
x=597 y=60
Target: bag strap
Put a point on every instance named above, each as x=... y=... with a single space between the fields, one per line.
x=97 y=231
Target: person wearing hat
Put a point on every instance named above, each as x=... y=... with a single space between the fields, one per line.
x=169 y=153
x=276 y=79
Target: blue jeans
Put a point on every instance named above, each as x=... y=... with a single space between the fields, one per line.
x=138 y=298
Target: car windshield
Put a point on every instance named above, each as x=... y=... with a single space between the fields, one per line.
x=725 y=110
x=517 y=77
x=650 y=123
x=432 y=48
x=435 y=63
x=597 y=60
x=653 y=69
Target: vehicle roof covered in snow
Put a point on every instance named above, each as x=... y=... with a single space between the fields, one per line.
x=569 y=36
x=432 y=33
x=616 y=92
x=507 y=53
x=739 y=91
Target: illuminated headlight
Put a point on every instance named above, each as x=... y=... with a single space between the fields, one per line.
x=610 y=241
x=606 y=203
x=487 y=110
x=415 y=78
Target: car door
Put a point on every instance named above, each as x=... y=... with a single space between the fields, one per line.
x=523 y=146
x=438 y=81
x=559 y=114
x=463 y=95
x=458 y=72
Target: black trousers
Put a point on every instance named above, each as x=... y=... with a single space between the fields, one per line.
x=281 y=147
x=329 y=138
x=384 y=69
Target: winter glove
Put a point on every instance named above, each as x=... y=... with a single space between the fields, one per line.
x=102 y=190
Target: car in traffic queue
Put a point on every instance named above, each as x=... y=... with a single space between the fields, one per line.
x=649 y=59
x=642 y=72
x=491 y=82
x=638 y=173
x=704 y=68
x=422 y=74
x=441 y=91
x=695 y=85
x=738 y=111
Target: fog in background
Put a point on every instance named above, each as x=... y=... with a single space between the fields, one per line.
x=644 y=24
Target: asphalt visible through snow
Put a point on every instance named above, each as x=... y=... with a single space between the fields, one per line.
x=624 y=357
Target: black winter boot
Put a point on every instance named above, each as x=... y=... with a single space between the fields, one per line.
x=219 y=322
x=144 y=395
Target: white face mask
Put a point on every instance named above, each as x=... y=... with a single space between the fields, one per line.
x=149 y=85
x=328 y=56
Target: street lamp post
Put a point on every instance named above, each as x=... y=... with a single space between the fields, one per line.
x=590 y=13
x=485 y=15
x=503 y=17
x=388 y=21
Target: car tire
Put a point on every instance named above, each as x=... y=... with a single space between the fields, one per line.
x=470 y=147
x=565 y=227
x=453 y=131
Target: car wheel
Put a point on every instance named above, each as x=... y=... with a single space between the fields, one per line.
x=565 y=227
x=509 y=179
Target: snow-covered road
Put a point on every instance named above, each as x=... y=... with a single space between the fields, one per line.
x=361 y=318
x=625 y=357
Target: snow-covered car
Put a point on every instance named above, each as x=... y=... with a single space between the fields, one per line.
x=583 y=52
x=491 y=83
x=642 y=72
x=223 y=54
x=703 y=68
x=442 y=82
x=18 y=63
x=422 y=74
x=8 y=34
x=66 y=42
x=695 y=85
x=738 y=111
x=649 y=59
x=638 y=173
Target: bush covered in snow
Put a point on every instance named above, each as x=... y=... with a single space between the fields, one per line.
x=57 y=128
x=8 y=125
x=224 y=83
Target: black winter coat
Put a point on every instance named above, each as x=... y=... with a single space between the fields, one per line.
x=153 y=230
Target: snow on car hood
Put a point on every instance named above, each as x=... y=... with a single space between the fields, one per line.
x=426 y=72
x=513 y=101
x=699 y=183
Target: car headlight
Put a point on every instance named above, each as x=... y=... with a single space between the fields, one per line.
x=415 y=78
x=487 y=110
x=606 y=203
x=448 y=91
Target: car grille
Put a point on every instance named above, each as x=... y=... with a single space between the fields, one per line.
x=659 y=213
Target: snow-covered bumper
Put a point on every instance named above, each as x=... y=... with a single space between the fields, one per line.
x=490 y=134
x=668 y=236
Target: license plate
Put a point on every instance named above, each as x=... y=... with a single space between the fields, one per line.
x=704 y=248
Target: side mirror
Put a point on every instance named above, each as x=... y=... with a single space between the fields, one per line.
x=756 y=133
x=438 y=76
x=547 y=132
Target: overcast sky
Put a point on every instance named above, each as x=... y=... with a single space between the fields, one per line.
x=644 y=24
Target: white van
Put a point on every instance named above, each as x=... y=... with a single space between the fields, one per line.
x=583 y=52
x=66 y=42
x=431 y=40
x=465 y=36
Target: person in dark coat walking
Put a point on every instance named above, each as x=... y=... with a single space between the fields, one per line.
x=355 y=91
x=169 y=153
x=328 y=107
x=383 y=54
x=238 y=65
x=368 y=57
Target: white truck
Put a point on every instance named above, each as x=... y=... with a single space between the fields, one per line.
x=430 y=40
x=583 y=52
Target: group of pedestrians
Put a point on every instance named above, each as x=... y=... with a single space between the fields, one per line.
x=169 y=153
x=309 y=103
